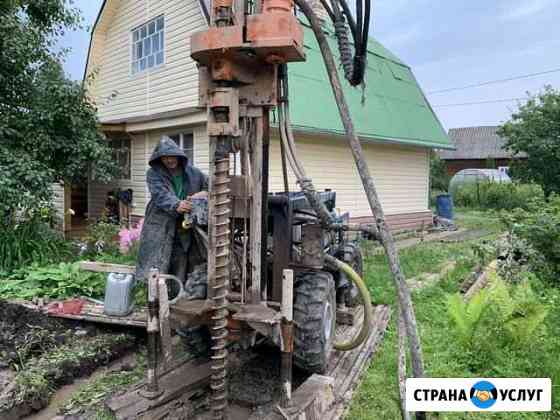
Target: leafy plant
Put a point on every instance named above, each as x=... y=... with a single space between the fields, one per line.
x=32 y=241
x=439 y=179
x=539 y=226
x=102 y=238
x=55 y=281
x=498 y=316
x=496 y=196
x=516 y=258
x=467 y=316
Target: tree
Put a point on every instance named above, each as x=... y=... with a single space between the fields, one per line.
x=48 y=126
x=535 y=130
x=439 y=179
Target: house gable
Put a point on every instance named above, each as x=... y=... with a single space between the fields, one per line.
x=121 y=95
x=391 y=107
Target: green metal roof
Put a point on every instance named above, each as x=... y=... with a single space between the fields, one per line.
x=395 y=108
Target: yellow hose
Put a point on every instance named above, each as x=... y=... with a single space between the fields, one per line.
x=366 y=299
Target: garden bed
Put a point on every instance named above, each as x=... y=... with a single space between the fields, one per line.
x=39 y=354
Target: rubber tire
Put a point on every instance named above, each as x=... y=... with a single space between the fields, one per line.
x=352 y=255
x=314 y=301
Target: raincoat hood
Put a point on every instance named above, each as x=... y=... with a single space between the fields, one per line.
x=167 y=147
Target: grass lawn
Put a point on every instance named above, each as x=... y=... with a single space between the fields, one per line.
x=377 y=396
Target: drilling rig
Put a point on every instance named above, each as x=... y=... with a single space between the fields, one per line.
x=257 y=240
x=280 y=267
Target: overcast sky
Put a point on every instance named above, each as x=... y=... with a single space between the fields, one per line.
x=448 y=44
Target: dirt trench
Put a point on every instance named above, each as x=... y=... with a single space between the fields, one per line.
x=40 y=354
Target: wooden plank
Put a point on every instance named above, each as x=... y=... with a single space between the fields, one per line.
x=345 y=316
x=309 y=402
x=346 y=381
x=174 y=384
x=257 y=313
x=93 y=312
x=103 y=320
x=107 y=268
x=327 y=397
x=482 y=281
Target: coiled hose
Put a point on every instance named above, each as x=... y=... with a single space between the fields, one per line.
x=344 y=47
x=366 y=299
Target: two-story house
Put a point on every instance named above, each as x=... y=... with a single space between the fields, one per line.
x=145 y=85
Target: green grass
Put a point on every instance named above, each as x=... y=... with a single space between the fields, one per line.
x=377 y=395
x=478 y=219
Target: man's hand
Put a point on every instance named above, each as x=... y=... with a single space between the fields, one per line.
x=185 y=206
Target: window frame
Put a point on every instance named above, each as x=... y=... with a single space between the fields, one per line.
x=117 y=151
x=134 y=43
x=181 y=144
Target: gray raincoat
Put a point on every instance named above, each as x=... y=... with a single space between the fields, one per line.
x=162 y=220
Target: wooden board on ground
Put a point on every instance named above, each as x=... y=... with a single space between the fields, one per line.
x=100 y=267
x=482 y=280
x=93 y=312
x=176 y=383
x=344 y=374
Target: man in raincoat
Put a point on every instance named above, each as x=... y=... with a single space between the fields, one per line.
x=164 y=244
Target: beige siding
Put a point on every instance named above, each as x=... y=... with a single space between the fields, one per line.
x=97 y=192
x=400 y=174
x=174 y=85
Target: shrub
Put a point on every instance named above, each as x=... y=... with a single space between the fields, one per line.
x=53 y=281
x=496 y=196
x=539 y=225
x=102 y=238
x=31 y=240
x=439 y=179
x=517 y=258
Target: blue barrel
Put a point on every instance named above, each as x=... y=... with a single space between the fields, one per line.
x=444 y=206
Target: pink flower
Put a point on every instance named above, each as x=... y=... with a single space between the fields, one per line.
x=127 y=237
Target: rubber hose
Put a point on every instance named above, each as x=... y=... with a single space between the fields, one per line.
x=366 y=299
x=344 y=47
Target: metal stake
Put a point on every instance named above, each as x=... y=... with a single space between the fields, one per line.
x=152 y=390
x=287 y=336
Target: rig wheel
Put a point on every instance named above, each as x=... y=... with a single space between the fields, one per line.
x=352 y=255
x=315 y=320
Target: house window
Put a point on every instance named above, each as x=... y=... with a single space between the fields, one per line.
x=122 y=155
x=185 y=142
x=147 y=45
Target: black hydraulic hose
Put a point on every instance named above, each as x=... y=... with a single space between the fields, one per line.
x=370 y=191
x=359 y=25
x=365 y=34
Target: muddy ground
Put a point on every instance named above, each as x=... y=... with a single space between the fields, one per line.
x=25 y=333
x=40 y=354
